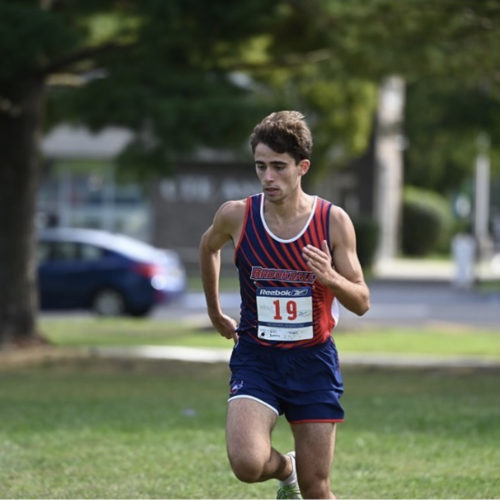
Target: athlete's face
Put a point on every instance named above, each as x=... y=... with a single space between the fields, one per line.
x=278 y=173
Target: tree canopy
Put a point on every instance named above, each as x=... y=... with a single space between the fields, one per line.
x=173 y=70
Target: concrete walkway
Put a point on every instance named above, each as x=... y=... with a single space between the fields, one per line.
x=214 y=355
x=433 y=270
x=26 y=357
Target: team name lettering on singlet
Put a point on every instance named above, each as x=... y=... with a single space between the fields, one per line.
x=285 y=275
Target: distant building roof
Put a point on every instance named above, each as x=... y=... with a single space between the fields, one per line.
x=66 y=141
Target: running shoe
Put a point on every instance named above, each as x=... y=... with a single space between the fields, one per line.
x=291 y=488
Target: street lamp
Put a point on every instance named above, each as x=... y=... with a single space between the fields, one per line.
x=482 y=196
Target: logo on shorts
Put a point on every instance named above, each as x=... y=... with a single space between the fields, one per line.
x=237 y=385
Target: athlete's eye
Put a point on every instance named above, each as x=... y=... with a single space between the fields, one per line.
x=279 y=166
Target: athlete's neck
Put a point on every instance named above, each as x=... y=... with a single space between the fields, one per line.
x=289 y=208
x=286 y=220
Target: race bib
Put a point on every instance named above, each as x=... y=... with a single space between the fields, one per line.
x=284 y=313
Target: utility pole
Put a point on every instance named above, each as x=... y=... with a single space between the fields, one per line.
x=389 y=144
x=482 y=197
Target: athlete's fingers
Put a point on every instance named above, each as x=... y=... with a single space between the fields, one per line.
x=313 y=253
x=326 y=248
x=229 y=334
x=227 y=326
x=316 y=267
x=317 y=251
x=319 y=260
x=310 y=251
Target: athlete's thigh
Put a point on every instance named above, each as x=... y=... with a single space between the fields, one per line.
x=314 y=448
x=248 y=429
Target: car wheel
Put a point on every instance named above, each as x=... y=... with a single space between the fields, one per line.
x=108 y=302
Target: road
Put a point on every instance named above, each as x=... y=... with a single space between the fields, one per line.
x=392 y=303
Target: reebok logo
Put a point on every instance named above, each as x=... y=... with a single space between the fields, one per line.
x=280 y=292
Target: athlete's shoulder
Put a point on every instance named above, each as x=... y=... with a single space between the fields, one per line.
x=232 y=210
x=341 y=226
x=339 y=215
x=230 y=216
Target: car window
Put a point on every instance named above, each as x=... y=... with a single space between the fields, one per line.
x=66 y=251
x=63 y=251
x=90 y=252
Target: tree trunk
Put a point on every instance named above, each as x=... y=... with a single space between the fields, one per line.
x=20 y=127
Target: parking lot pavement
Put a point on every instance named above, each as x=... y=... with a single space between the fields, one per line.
x=420 y=303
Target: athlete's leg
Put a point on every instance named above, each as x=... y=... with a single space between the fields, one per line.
x=314 y=448
x=248 y=434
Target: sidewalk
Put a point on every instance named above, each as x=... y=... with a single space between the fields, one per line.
x=47 y=355
x=213 y=355
x=432 y=270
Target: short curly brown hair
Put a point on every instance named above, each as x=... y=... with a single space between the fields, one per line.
x=284 y=132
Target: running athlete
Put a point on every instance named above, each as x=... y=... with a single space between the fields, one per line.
x=296 y=258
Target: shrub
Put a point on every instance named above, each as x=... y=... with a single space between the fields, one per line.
x=427 y=222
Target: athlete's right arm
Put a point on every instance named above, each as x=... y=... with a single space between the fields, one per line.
x=226 y=226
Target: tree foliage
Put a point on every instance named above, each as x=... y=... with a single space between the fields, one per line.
x=445 y=123
x=165 y=68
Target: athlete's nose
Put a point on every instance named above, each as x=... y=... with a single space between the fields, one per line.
x=267 y=175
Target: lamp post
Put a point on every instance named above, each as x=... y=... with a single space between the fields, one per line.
x=482 y=197
x=389 y=145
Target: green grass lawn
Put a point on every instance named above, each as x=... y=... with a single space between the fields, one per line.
x=446 y=341
x=99 y=429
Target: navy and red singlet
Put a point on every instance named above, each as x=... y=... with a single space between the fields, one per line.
x=282 y=303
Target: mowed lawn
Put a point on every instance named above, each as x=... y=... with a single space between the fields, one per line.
x=92 y=428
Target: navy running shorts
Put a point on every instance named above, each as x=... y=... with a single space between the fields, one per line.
x=304 y=384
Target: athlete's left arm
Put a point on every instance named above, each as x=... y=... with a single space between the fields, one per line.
x=339 y=268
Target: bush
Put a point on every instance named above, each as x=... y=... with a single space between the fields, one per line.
x=427 y=222
x=367 y=233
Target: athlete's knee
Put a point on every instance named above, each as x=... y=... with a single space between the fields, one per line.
x=246 y=468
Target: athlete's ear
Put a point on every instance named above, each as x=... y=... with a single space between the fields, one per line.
x=304 y=166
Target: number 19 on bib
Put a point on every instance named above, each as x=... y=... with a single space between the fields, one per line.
x=284 y=313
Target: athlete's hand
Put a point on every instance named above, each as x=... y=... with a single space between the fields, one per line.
x=226 y=326
x=320 y=262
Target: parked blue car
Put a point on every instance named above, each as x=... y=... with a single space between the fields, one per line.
x=108 y=273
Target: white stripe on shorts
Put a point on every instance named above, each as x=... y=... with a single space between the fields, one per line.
x=246 y=396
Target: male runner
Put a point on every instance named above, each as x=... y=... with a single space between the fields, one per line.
x=296 y=257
